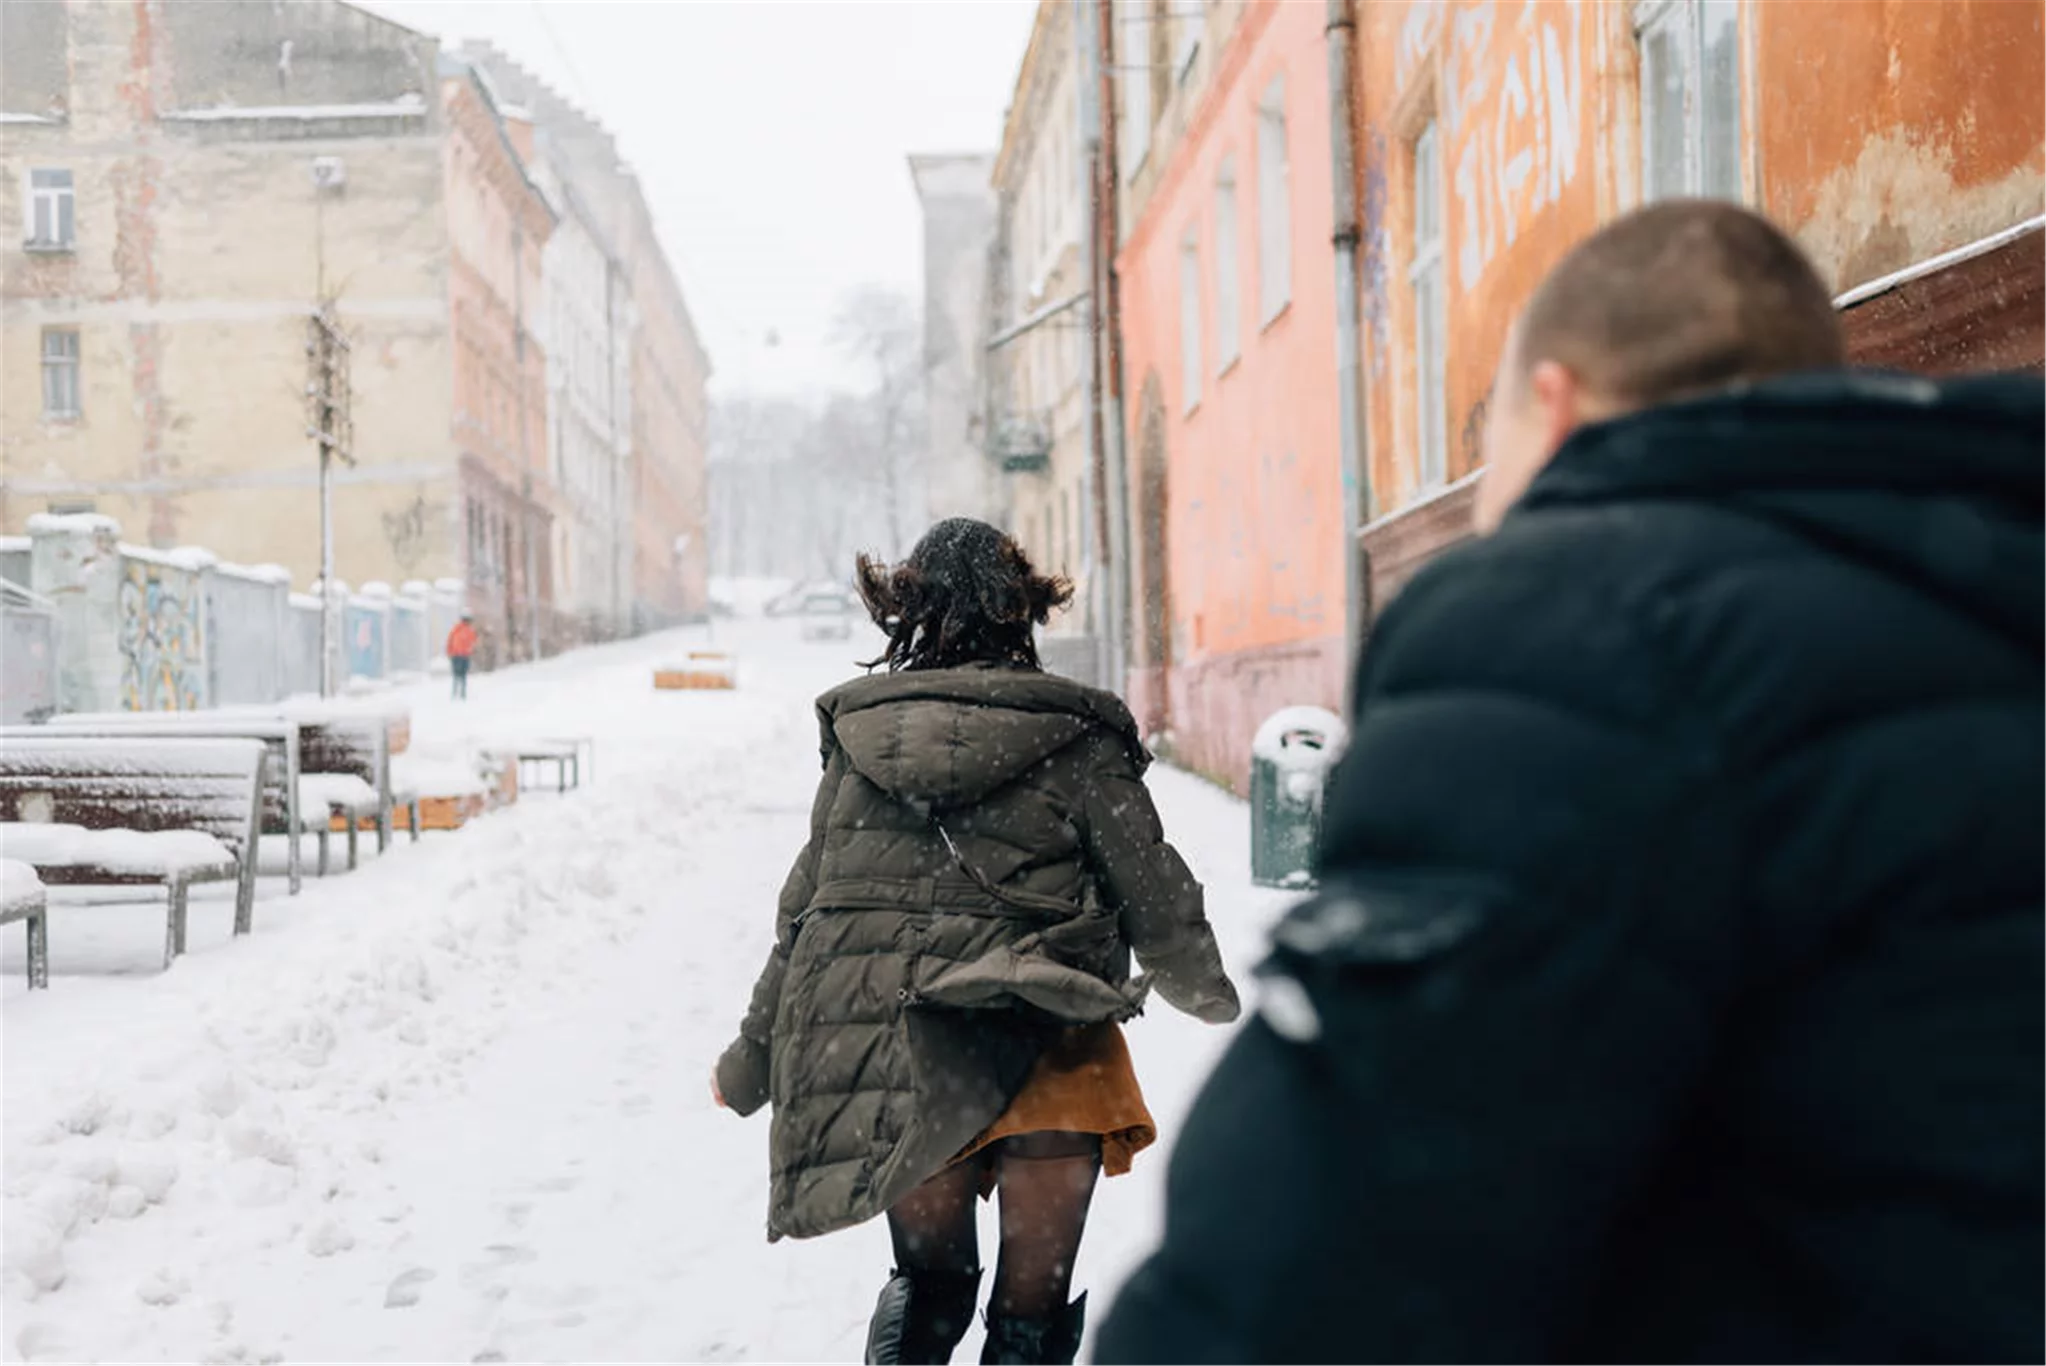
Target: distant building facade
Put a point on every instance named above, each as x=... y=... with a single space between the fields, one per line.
x=1903 y=144
x=1229 y=344
x=1038 y=369
x=499 y=223
x=663 y=412
x=183 y=207
x=958 y=235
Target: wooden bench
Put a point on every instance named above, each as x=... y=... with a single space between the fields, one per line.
x=22 y=898
x=283 y=814
x=703 y=670
x=137 y=812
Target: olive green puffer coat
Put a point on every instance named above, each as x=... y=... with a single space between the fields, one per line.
x=911 y=987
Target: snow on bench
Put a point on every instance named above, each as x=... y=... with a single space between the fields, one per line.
x=444 y=788
x=282 y=814
x=341 y=795
x=147 y=812
x=22 y=898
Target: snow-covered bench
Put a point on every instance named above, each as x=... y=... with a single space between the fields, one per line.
x=136 y=811
x=22 y=898
x=443 y=789
x=283 y=813
x=338 y=796
x=351 y=745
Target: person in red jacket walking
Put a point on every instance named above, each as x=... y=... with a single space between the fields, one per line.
x=461 y=647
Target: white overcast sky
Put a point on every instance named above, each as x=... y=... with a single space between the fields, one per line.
x=771 y=139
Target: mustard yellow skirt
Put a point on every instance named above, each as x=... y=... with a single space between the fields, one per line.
x=1083 y=1084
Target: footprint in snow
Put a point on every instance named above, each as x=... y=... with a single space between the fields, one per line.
x=406 y=1289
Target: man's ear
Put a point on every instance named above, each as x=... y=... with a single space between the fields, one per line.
x=1559 y=402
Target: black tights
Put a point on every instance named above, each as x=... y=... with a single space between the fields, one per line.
x=1046 y=1181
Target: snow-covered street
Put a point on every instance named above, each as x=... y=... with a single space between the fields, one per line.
x=454 y=1106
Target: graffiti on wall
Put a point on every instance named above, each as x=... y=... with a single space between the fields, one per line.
x=1512 y=110
x=163 y=654
x=407 y=530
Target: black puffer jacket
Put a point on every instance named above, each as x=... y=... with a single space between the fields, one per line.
x=911 y=988
x=1676 y=989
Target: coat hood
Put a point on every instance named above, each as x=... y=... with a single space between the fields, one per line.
x=1937 y=484
x=946 y=738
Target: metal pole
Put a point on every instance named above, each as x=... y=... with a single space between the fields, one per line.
x=1342 y=37
x=1088 y=61
x=1108 y=322
x=328 y=635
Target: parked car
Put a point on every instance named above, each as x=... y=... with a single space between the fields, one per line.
x=827 y=615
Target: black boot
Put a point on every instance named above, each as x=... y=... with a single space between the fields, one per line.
x=1036 y=1342
x=921 y=1316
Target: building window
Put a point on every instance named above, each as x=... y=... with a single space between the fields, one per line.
x=1190 y=321
x=1274 y=210
x=52 y=220
x=1228 y=273
x=1137 y=112
x=1690 y=98
x=60 y=372
x=1431 y=320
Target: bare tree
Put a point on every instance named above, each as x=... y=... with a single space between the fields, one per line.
x=877 y=328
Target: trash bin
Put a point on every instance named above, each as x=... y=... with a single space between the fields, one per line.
x=1291 y=762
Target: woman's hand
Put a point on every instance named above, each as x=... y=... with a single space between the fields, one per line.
x=715 y=1094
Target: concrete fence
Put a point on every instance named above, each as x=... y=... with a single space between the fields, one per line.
x=92 y=624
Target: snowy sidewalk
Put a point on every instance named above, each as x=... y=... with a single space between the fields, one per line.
x=454 y=1107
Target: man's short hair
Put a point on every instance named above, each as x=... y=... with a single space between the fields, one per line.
x=1681 y=297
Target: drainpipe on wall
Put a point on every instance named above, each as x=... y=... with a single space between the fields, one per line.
x=1087 y=61
x=1108 y=322
x=1112 y=522
x=1342 y=43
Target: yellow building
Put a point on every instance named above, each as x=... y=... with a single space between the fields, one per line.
x=183 y=208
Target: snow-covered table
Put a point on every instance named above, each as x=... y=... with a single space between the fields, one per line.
x=136 y=811
x=22 y=898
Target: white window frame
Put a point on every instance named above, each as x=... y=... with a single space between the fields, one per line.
x=1133 y=39
x=1190 y=319
x=1685 y=21
x=1228 y=269
x=61 y=202
x=63 y=401
x=1429 y=278
x=1274 y=205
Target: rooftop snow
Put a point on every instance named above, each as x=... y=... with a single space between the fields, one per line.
x=77 y=523
x=405 y=106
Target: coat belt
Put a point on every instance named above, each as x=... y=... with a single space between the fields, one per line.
x=935 y=894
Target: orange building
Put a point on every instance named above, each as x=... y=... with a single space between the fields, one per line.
x=1237 y=540
x=1900 y=141
x=498 y=222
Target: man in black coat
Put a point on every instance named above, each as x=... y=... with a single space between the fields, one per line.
x=1675 y=990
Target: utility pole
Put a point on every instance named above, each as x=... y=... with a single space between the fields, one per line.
x=330 y=423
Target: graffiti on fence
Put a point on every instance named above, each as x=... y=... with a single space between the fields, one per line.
x=163 y=655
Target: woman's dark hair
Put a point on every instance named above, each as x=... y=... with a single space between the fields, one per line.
x=966 y=595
